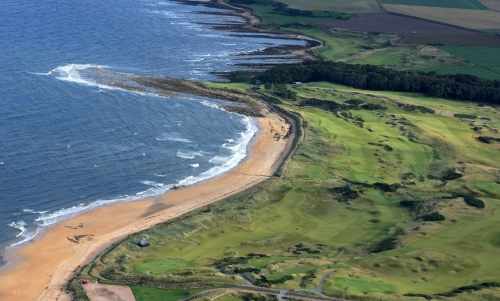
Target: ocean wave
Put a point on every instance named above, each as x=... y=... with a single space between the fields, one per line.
x=160 y=175
x=173 y=137
x=228 y=163
x=34 y=211
x=196 y=165
x=211 y=105
x=20 y=226
x=27 y=236
x=47 y=219
x=152 y=183
x=219 y=160
x=188 y=155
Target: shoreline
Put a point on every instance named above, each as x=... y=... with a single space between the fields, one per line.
x=54 y=258
x=50 y=262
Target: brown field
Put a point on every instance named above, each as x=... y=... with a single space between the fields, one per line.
x=468 y=18
x=491 y=4
x=450 y=39
x=347 y=6
x=392 y=23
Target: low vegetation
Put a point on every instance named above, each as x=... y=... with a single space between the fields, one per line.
x=372 y=206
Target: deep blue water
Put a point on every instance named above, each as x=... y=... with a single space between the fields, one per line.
x=68 y=144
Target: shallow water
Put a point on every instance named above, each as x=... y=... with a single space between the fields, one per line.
x=70 y=144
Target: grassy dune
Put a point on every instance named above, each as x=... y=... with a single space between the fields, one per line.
x=307 y=230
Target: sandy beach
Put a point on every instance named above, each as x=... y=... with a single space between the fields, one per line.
x=41 y=270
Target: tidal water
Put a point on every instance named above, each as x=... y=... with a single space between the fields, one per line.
x=69 y=144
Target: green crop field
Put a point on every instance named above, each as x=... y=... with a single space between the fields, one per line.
x=479 y=56
x=362 y=6
x=467 y=4
x=488 y=73
x=335 y=214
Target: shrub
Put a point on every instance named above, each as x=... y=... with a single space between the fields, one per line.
x=385 y=245
x=412 y=205
x=465 y=116
x=344 y=193
x=373 y=107
x=472 y=201
x=433 y=217
x=386 y=187
x=488 y=139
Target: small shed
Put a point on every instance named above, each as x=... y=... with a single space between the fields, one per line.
x=143 y=243
x=297 y=83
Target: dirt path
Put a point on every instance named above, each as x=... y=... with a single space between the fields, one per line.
x=99 y=292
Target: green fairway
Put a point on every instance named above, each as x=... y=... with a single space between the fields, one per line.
x=161 y=266
x=363 y=285
x=467 y=4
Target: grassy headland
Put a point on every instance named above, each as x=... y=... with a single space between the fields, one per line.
x=357 y=202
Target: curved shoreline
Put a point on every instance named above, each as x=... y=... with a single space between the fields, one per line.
x=49 y=263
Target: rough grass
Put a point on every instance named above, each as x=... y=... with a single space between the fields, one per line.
x=473 y=19
x=152 y=294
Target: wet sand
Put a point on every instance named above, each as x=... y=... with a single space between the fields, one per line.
x=42 y=269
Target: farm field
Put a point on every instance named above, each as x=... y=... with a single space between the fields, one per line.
x=363 y=6
x=491 y=4
x=338 y=210
x=271 y=19
x=479 y=56
x=485 y=60
x=466 y=4
x=392 y=23
x=489 y=73
x=467 y=18
x=473 y=40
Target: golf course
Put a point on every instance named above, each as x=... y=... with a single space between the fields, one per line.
x=355 y=203
x=384 y=196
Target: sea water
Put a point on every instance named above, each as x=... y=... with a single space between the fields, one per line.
x=69 y=144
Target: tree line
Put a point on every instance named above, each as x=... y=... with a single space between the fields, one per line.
x=370 y=77
x=283 y=9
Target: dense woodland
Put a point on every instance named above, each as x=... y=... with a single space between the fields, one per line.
x=369 y=77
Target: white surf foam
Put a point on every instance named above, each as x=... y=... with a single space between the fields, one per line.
x=196 y=165
x=188 y=155
x=211 y=105
x=20 y=226
x=173 y=137
x=34 y=211
x=152 y=183
x=227 y=163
